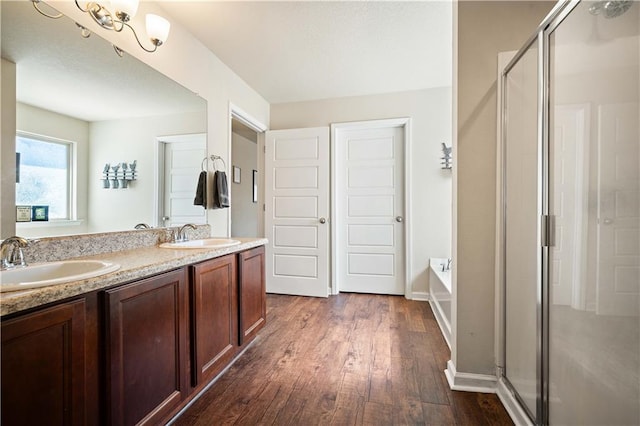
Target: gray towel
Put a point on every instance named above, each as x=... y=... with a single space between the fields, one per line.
x=201 y=191
x=220 y=191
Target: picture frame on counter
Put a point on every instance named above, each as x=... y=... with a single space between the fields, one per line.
x=39 y=213
x=23 y=213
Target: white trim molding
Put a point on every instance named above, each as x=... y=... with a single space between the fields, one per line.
x=421 y=296
x=237 y=113
x=512 y=406
x=405 y=124
x=470 y=382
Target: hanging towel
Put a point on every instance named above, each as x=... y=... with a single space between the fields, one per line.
x=220 y=190
x=201 y=191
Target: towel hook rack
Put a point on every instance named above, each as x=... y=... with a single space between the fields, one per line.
x=213 y=159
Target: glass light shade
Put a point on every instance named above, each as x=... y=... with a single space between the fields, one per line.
x=130 y=7
x=157 y=27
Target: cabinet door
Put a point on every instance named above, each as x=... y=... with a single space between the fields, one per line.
x=146 y=355
x=215 y=316
x=253 y=298
x=43 y=367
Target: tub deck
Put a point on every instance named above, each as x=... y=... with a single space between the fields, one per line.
x=440 y=296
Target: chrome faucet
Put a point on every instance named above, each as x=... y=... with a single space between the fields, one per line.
x=142 y=226
x=181 y=235
x=11 y=255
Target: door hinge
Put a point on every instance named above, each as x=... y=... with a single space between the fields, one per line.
x=548 y=230
x=264 y=207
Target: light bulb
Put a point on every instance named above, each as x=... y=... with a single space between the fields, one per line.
x=157 y=29
x=128 y=7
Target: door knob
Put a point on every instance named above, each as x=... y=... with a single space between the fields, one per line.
x=399 y=219
x=322 y=220
x=608 y=221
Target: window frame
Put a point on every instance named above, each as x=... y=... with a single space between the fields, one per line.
x=72 y=157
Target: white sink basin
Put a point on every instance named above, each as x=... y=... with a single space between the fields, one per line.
x=51 y=273
x=207 y=243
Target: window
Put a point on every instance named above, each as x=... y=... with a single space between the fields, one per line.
x=45 y=174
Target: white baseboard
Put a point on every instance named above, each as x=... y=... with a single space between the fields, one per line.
x=422 y=296
x=517 y=414
x=470 y=382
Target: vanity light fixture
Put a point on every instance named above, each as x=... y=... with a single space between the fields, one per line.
x=157 y=26
x=42 y=12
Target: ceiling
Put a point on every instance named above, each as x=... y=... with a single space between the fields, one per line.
x=286 y=51
x=308 y=50
x=60 y=71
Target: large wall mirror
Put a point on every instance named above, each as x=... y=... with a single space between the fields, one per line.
x=109 y=110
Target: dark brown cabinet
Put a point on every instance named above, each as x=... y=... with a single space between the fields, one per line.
x=43 y=367
x=252 y=293
x=214 y=313
x=132 y=354
x=146 y=336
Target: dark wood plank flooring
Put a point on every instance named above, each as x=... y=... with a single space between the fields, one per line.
x=352 y=359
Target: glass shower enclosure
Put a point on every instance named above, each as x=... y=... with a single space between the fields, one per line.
x=570 y=244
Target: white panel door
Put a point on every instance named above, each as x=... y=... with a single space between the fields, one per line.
x=297 y=211
x=369 y=210
x=182 y=166
x=618 y=246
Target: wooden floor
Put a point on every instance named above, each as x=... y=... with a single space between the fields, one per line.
x=351 y=359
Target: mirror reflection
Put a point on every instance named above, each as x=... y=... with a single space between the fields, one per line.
x=117 y=128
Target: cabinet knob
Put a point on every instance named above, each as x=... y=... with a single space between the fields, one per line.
x=322 y=220
x=399 y=219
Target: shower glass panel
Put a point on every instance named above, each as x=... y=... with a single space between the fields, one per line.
x=594 y=267
x=522 y=199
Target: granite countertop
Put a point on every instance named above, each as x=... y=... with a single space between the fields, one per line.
x=134 y=264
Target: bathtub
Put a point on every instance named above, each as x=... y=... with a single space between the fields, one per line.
x=440 y=296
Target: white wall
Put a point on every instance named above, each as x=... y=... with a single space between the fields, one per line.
x=8 y=149
x=47 y=123
x=430 y=111
x=184 y=59
x=244 y=212
x=118 y=141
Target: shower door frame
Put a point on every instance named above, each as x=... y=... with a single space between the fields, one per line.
x=542 y=35
x=537 y=37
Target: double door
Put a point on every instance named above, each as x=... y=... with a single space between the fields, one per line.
x=346 y=226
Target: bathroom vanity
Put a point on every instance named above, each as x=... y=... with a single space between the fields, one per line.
x=134 y=346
